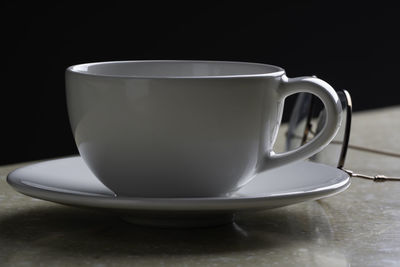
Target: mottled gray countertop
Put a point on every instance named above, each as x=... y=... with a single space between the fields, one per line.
x=360 y=227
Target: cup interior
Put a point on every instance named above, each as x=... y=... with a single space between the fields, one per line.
x=176 y=69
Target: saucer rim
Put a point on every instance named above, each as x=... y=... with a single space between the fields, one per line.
x=225 y=203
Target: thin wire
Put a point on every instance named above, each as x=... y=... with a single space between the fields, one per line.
x=360 y=148
x=345 y=143
x=370 y=150
x=375 y=178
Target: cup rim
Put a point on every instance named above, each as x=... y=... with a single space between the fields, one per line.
x=77 y=69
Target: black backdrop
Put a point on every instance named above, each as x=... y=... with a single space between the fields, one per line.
x=353 y=47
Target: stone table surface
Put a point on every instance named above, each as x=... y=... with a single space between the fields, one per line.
x=359 y=227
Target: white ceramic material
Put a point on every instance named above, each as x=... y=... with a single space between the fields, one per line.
x=185 y=128
x=69 y=181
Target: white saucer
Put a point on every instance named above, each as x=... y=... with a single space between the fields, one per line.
x=69 y=181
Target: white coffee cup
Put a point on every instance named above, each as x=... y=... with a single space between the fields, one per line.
x=185 y=128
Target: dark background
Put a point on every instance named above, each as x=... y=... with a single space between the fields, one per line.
x=352 y=47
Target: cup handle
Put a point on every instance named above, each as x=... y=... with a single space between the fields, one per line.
x=331 y=101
